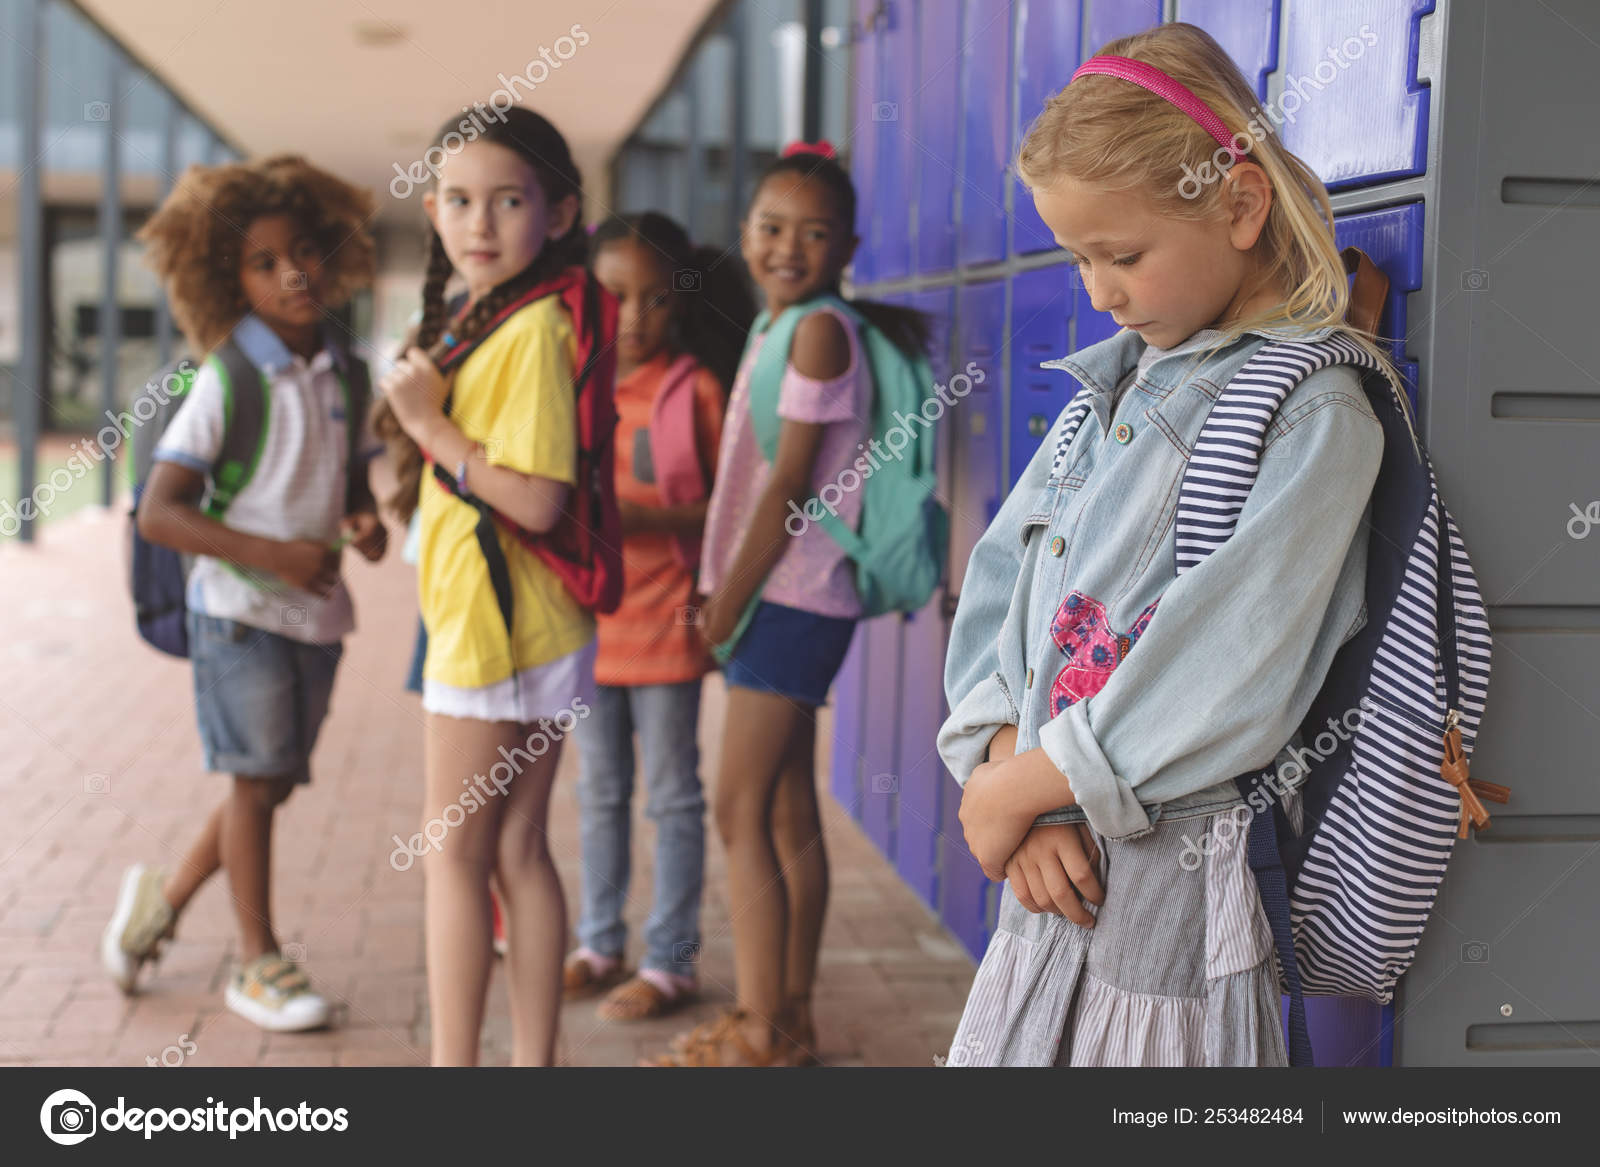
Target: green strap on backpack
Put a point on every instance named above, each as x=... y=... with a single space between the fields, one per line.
x=247 y=404
x=900 y=547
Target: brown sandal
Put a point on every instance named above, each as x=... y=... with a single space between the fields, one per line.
x=639 y=1000
x=579 y=978
x=723 y=1044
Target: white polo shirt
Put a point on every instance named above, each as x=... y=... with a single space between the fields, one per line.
x=296 y=492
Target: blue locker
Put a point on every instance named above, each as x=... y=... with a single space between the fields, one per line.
x=1047 y=35
x=895 y=155
x=938 y=306
x=846 y=698
x=985 y=89
x=1361 y=117
x=1347 y=1031
x=1247 y=29
x=976 y=424
x=880 y=739
x=1041 y=318
x=864 y=143
x=1110 y=19
x=925 y=786
x=963 y=890
x=934 y=124
x=924 y=783
x=1393 y=238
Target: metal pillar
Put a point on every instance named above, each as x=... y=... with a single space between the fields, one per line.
x=738 y=132
x=811 y=109
x=31 y=366
x=110 y=255
x=169 y=176
x=692 y=157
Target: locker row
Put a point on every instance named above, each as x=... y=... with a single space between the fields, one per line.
x=944 y=91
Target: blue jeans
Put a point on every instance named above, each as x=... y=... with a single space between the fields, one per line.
x=665 y=717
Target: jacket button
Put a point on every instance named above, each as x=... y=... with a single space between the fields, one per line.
x=1123 y=433
x=1057 y=546
x=1030 y=678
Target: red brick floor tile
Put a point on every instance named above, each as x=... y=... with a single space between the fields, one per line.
x=102 y=768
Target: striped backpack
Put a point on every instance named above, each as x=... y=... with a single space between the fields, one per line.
x=1349 y=875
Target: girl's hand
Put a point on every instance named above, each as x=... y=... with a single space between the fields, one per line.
x=367 y=534
x=1055 y=870
x=415 y=390
x=992 y=824
x=718 y=619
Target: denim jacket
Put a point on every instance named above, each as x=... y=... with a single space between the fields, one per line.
x=1217 y=668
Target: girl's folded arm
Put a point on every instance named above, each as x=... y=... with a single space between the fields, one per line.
x=1241 y=643
x=986 y=644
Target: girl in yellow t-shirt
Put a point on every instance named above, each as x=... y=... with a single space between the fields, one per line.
x=498 y=701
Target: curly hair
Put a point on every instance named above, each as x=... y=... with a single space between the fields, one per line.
x=193 y=240
x=546 y=152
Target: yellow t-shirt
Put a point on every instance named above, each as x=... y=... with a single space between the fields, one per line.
x=515 y=395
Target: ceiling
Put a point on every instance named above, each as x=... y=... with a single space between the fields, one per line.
x=360 y=87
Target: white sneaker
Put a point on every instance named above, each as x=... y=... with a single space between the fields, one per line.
x=139 y=923
x=276 y=994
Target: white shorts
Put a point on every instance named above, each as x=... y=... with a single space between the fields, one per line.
x=542 y=691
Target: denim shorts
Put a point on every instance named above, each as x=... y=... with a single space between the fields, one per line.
x=259 y=697
x=790 y=652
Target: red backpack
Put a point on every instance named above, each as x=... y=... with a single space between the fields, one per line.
x=584 y=548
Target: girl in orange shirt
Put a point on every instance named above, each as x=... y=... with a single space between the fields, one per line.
x=683 y=318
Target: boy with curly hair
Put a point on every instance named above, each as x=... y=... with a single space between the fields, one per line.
x=253 y=256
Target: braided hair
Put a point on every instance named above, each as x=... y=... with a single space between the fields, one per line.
x=542 y=147
x=906 y=328
x=711 y=306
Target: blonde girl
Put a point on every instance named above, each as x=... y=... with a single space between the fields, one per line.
x=1101 y=706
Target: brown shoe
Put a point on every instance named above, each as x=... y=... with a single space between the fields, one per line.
x=579 y=978
x=640 y=999
x=723 y=1044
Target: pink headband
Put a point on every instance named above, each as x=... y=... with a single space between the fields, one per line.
x=821 y=147
x=1173 y=90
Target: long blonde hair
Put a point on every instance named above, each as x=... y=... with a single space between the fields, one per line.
x=1114 y=135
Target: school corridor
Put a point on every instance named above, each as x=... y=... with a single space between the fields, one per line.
x=103 y=768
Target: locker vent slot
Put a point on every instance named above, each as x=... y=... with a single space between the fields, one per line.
x=1546 y=406
x=1551 y=192
x=1511 y=1036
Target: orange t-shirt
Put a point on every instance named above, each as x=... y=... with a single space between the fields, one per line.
x=647 y=641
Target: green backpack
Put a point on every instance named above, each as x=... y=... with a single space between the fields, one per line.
x=900 y=548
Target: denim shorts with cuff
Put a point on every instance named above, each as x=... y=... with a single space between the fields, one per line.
x=259 y=697
x=790 y=652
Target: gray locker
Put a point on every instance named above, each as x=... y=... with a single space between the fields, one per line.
x=1503 y=327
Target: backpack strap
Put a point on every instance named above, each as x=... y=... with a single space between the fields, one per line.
x=1368 y=290
x=246 y=404
x=1227 y=455
x=357 y=385
x=766 y=378
x=1076 y=413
